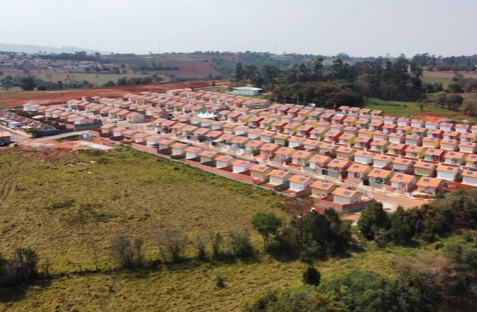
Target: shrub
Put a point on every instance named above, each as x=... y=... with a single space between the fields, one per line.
x=311 y=276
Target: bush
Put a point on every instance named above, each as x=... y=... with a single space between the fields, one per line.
x=311 y=276
x=128 y=254
x=219 y=281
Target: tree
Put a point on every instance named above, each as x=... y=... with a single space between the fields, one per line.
x=402 y=227
x=469 y=106
x=311 y=276
x=125 y=252
x=454 y=101
x=171 y=244
x=266 y=224
x=200 y=242
x=27 y=84
x=373 y=217
x=6 y=88
x=217 y=241
x=239 y=239
x=60 y=84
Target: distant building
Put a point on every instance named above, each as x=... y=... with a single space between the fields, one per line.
x=251 y=91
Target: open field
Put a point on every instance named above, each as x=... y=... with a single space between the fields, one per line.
x=430 y=111
x=444 y=77
x=66 y=207
x=190 y=69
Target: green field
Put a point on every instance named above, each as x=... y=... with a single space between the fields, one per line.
x=69 y=205
x=443 y=77
x=410 y=109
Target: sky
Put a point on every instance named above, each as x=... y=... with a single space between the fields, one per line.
x=355 y=27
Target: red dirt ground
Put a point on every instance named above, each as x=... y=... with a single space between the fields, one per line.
x=17 y=99
x=190 y=69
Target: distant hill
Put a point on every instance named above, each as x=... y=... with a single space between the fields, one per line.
x=33 y=49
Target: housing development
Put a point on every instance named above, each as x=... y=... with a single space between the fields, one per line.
x=344 y=159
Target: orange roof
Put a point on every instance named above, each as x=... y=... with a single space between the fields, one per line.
x=429 y=182
x=301 y=155
x=338 y=163
x=450 y=169
x=434 y=152
x=254 y=143
x=379 y=173
x=358 y=168
x=259 y=168
x=300 y=179
x=241 y=163
x=322 y=185
x=240 y=140
x=346 y=150
x=363 y=154
x=402 y=161
x=279 y=173
x=179 y=145
x=269 y=147
x=454 y=155
x=402 y=178
x=424 y=165
x=340 y=191
x=284 y=151
x=319 y=159
x=208 y=153
x=224 y=158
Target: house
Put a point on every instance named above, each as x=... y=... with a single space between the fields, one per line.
x=322 y=189
x=241 y=165
x=281 y=139
x=317 y=162
x=179 y=149
x=140 y=138
x=153 y=140
x=379 y=146
x=357 y=173
x=301 y=158
x=346 y=197
x=448 y=173
x=462 y=128
x=318 y=134
x=401 y=183
x=436 y=133
x=224 y=161
x=363 y=157
x=365 y=133
x=208 y=156
x=381 y=135
x=429 y=185
x=471 y=161
x=252 y=147
x=451 y=135
x=118 y=132
x=446 y=126
x=416 y=152
x=279 y=177
x=311 y=145
x=193 y=152
x=363 y=142
x=389 y=128
x=345 y=153
x=337 y=168
x=5 y=137
x=363 y=123
x=267 y=136
x=397 y=138
x=268 y=150
x=328 y=149
x=260 y=172
x=403 y=122
x=422 y=132
x=332 y=136
x=431 y=125
x=415 y=140
x=454 y=158
x=425 y=169
x=283 y=155
x=300 y=183
x=254 y=134
x=107 y=129
x=403 y=165
x=390 y=120
x=468 y=137
x=376 y=126
x=304 y=131
x=382 y=161
x=469 y=178
x=431 y=142
x=396 y=149
x=377 y=177
x=296 y=142
x=434 y=155
x=417 y=123
x=449 y=145
x=347 y=139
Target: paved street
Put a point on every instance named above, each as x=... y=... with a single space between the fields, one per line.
x=16 y=135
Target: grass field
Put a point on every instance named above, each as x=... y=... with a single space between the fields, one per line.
x=444 y=77
x=410 y=109
x=65 y=206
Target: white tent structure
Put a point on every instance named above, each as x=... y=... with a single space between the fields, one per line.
x=207 y=115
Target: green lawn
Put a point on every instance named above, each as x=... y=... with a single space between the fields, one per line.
x=410 y=109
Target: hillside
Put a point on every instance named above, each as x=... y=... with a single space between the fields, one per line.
x=68 y=205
